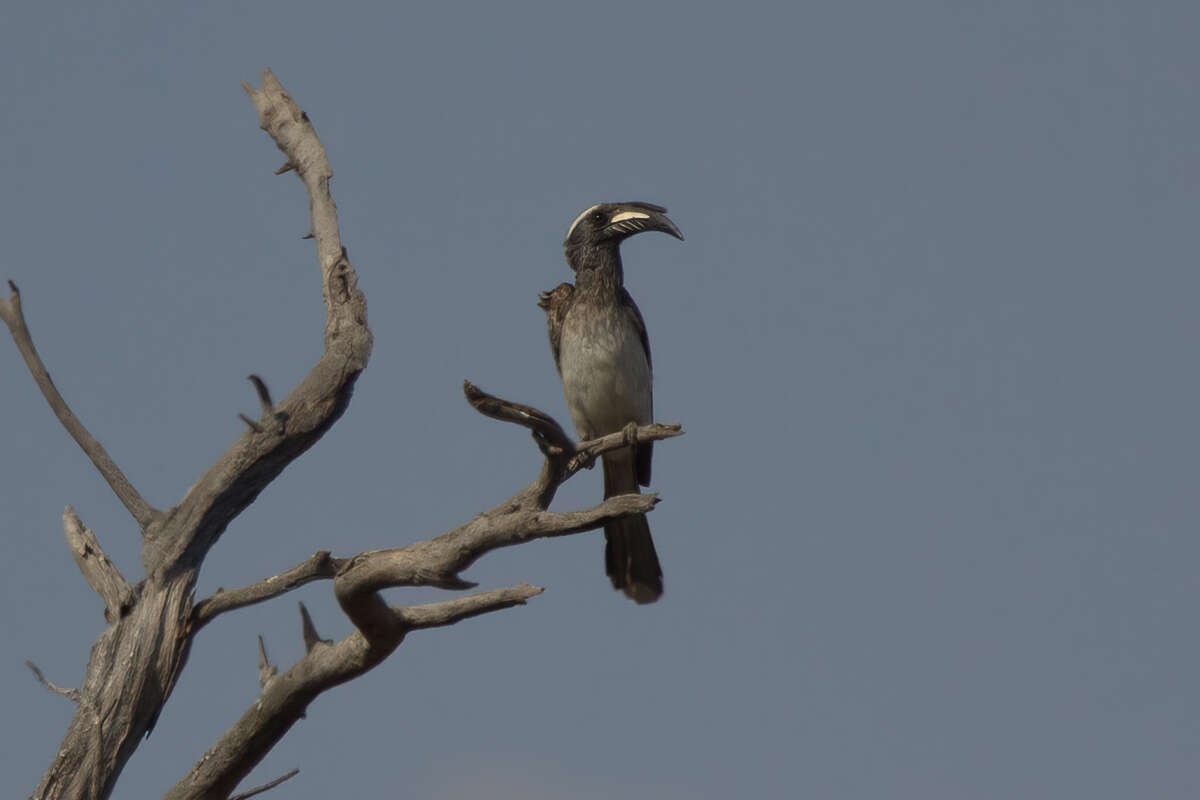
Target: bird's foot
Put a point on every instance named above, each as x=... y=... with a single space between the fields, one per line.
x=630 y=432
x=581 y=460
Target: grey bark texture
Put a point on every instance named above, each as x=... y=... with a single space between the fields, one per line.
x=135 y=662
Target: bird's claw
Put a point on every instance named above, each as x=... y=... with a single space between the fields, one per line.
x=582 y=460
x=630 y=432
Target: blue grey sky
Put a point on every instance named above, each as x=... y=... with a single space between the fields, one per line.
x=932 y=532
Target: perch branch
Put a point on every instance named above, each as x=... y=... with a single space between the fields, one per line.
x=563 y=457
x=438 y=561
x=139 y=509
x=100 y=573
x=586 y=451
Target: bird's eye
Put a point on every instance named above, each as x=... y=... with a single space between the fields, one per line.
x=598 y=218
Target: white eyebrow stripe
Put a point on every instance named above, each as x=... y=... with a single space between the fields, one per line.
x=571 y=229
x=624 y=215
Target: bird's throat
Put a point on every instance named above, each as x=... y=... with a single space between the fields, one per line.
x=598 y=270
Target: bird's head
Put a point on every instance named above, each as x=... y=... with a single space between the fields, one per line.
x=606 y=225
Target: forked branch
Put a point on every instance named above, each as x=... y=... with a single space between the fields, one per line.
x=134 y=664
x=435 y=562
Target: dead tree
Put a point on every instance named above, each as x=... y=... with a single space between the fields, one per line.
x=136 y=660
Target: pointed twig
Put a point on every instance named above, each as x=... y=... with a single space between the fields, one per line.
x=287 y=167
x=264 y=395
x=100 y=573
x=267 y=406
x=266 y=786
x=10 y=312
x=309 y=631
x=265 y=669
x=71 y=694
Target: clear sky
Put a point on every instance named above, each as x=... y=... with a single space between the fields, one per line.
x=932 y=532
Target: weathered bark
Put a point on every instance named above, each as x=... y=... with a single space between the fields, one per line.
x=134 y=663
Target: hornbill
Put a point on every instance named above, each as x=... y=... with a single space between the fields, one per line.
x=602 y=353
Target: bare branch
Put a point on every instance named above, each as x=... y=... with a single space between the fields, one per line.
x=256 y=458
x=437 y=561
x=563 y=523
x=448 y=612
x=267 y=786
x=71 y=694
x=283 y=702
x=10 y=312
x=293 y=134
x=544 y=427
x=100 y=573
x=317 y=567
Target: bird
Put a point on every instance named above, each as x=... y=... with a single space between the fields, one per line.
x=602 y=354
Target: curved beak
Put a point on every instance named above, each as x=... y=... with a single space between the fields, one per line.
x=631 y=218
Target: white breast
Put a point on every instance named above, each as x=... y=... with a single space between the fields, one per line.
x=606 y=379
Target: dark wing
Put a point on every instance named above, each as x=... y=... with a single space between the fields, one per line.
x=645 y=452
x=555 y=303
x=631 y=309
